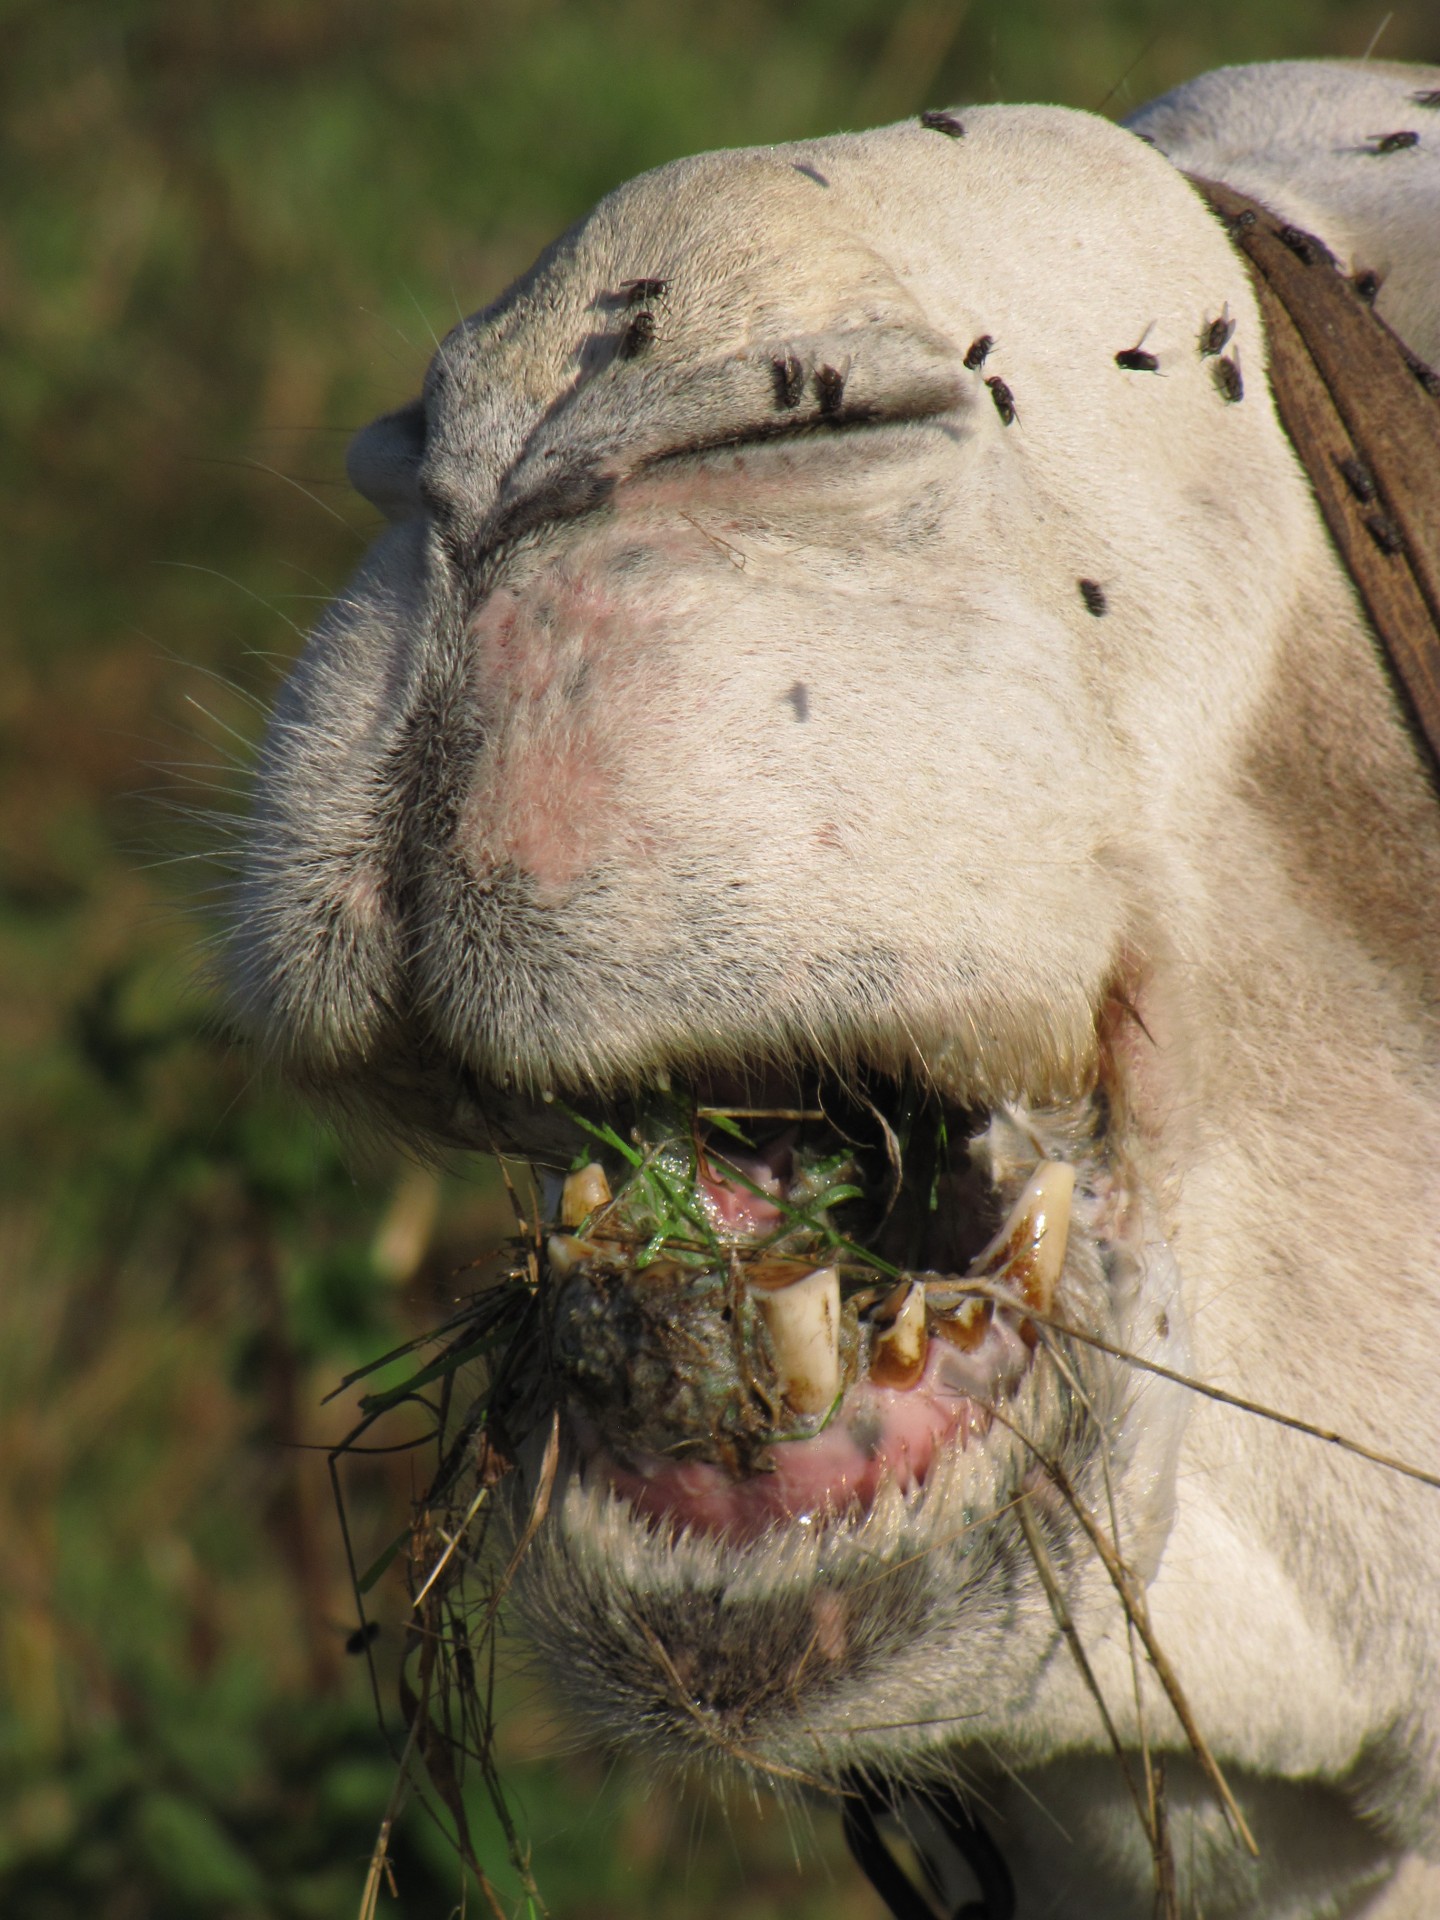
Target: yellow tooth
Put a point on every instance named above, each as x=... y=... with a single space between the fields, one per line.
x=1028 y=1253
x=965 y=1326
x=583 y=1193
x=898 y=1344
x=567 y=1253
x=803 y=1321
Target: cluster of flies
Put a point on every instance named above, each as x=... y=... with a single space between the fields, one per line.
x=1381 y=144
x=789 y=373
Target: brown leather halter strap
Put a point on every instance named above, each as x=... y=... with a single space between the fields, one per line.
x=1364 y=415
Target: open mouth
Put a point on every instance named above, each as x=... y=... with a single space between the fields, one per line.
x=762 y=1307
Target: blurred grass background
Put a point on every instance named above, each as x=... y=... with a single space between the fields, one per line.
x=228 y=235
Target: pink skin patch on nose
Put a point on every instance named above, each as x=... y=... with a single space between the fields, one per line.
x=514 y=657
x=549 y=671
x=548 y=809
x=573 y=669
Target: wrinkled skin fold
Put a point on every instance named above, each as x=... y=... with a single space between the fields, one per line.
x=815 y=649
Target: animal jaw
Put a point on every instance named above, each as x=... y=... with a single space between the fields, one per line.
x=845 y=674
x=884 y=1536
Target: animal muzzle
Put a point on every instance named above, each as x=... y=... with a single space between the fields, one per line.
x=758 y=1315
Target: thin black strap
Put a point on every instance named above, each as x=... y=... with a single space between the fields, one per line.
x=879 y=1865
x=864 y=1801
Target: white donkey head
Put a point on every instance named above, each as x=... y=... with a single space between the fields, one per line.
x=857 y=714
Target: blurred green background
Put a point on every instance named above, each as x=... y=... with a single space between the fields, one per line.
x=228 y=235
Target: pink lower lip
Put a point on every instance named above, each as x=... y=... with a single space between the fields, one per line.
x=879 y=1434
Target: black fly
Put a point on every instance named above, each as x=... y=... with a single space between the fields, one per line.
x=1392 y=142
x=1135 y=359
x=639 y=332
x=1384 y=532
x=1215 y=335
x=1358 y=478
x=979 y=352
x=1227 y=377
x=829 y=389
x=1004 y=399
x=1306 y=247
x=1093 y=594
x=789 y=380
x=939 y=121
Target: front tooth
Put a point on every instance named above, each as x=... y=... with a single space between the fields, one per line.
x=585 y=1191
x=897 y=1349
x=567 y=1253
x=803 y=1321
x=1029 y=1251
x=967 y=1324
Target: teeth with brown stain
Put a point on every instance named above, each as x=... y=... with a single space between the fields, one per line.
x=1028 y=1253
x=900 y=1337
x=803 y=1322
x=966 y=1324
x=567 y=1253
x=585 y=1192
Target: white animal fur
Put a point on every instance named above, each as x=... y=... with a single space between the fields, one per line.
x=556 y=821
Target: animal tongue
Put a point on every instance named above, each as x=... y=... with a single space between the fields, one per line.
x=732 y=1204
